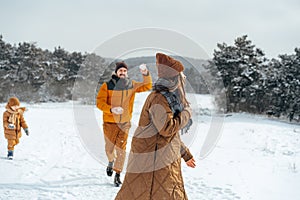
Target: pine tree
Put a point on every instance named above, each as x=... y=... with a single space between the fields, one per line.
x=283 y=86
x=240 y=68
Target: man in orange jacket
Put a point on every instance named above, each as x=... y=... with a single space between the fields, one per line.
x=115 y=98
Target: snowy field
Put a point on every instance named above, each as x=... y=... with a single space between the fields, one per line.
x=254 y=159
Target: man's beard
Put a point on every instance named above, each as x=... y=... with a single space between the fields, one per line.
x=122 y=83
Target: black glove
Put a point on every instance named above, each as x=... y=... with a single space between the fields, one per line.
x=26 y=131
x=187 y=127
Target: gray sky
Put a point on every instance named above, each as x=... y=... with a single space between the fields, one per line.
x=272 y=25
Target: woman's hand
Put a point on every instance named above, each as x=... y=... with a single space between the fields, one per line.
x=191 y=163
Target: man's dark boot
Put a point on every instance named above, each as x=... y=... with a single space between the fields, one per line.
x=109 y=169
x=117 y=181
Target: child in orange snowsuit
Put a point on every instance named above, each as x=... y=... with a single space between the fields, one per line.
x=13 y=120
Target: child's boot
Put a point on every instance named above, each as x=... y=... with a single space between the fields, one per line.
x=10 y=154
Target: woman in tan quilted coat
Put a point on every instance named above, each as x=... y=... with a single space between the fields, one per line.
x=154 y=163
x=13 y=121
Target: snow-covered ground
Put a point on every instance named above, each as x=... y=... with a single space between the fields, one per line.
x=255 y=158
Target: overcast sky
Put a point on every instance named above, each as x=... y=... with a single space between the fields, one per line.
x=272 y=25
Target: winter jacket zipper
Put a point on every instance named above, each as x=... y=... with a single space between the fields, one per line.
x=120 y=120
x=16 y=124
x=122 y=101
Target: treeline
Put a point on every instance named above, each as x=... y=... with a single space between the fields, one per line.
x=250 y=81
x=255 y=84
x=37 y=75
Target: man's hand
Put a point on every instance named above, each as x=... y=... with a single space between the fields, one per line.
x=117 y=110
x=191 y=163
x=143 y=69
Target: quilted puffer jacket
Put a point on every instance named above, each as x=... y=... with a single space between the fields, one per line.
x=19 y=123
x=154 y=164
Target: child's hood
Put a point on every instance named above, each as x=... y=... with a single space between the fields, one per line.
x=20 y=110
